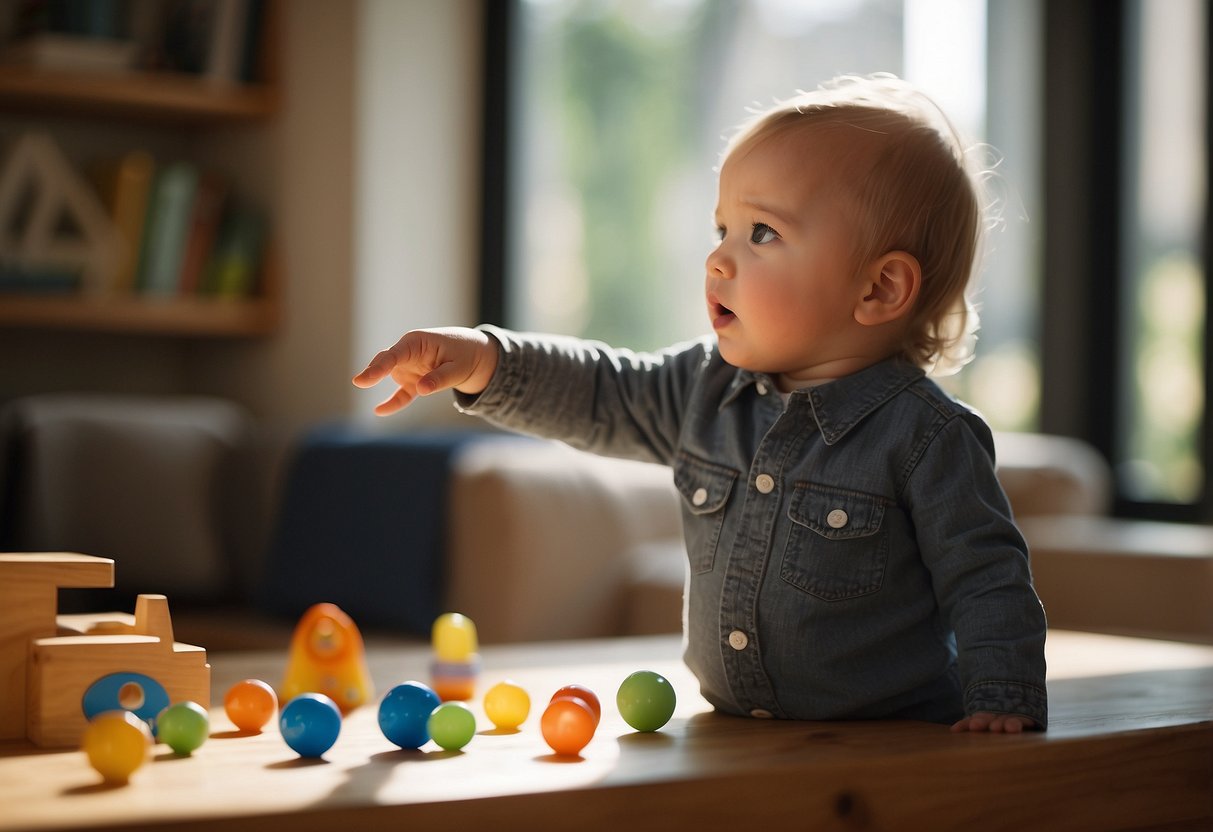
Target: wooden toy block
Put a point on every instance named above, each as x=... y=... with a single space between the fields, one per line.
x=29 y=585
x=47 y=673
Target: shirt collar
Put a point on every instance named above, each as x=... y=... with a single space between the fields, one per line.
x=843 y=403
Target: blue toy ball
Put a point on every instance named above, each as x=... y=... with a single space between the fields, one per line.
x=404 y=714
x=310 y=724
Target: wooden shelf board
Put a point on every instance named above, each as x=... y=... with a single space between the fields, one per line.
x=211 y=317
x=148 y=94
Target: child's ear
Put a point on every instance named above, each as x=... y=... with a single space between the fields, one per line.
x=890 y=287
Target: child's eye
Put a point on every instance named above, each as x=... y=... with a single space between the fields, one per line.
x=720 y=232
x=762 y=233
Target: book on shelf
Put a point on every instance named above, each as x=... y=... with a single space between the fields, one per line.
x=206 y=214
x=236 y=262
x=168 y=222
x=125 y=184
x=80 y=53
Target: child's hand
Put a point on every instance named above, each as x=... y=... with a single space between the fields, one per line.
x=995 y=723
x=425 y=361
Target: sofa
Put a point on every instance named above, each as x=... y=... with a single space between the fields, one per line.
x=244 y=529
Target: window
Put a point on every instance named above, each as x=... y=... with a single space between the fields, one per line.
x=617 y=112
x=1164 y=197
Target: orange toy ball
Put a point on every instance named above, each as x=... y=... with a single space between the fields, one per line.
x=585 y=695
x=568 y=725
x=250 y=704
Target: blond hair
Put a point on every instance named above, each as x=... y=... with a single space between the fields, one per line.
x=913 y=188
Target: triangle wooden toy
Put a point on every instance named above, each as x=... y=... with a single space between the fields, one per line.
x=51 y=220
x=55 y=668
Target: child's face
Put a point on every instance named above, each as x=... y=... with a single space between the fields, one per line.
x=782 y=284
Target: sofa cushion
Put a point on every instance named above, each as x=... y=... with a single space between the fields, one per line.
x=361 y=525
x=133 y=478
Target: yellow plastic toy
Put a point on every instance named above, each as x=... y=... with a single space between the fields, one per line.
x=327 y=656
x=456 y=663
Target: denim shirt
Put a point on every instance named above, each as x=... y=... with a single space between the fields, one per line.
x=852 y=554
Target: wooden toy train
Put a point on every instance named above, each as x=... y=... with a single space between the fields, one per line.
x=58 y=670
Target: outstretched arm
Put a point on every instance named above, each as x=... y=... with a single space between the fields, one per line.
x=425 y=361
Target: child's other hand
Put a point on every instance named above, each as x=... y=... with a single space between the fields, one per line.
x=984 y=721
x=425 y=361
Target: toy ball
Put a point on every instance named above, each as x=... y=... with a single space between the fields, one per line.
x=452 y=725
x=584 y=694
x=310 y=724
x=183 y=727
x=646 y=700
x=404 y=714
x=568 y=725
x=454 y=637
x=250 y=704
x=507 y=705
x=117 y=743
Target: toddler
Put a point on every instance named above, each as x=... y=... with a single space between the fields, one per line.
x=851 y=553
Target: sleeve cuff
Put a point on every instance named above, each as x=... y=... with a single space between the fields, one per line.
x=1002 y=697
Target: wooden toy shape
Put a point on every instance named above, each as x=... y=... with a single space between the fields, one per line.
x=58 y=669
x=29 y=597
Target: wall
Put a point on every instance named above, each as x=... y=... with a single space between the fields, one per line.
x=416 y=211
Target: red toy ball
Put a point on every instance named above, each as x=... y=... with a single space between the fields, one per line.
x=250 y=704
x=585 y=695
x=568 y=725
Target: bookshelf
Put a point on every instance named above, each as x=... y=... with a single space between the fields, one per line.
x=174 y=100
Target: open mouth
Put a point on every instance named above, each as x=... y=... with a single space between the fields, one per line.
x=721 y=315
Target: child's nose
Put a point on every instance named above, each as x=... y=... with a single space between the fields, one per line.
x=719 y=263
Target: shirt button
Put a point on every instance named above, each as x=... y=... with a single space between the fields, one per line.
x=699 y=497
x=765 y=483
x=738 y=640
x=761 y=388
x=837 y=518
x=761 y=713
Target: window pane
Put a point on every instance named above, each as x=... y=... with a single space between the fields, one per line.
x=1164 y=318
x=623 y=107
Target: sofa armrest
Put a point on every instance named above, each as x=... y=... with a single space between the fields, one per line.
x=539 y=536
x=1044 y=474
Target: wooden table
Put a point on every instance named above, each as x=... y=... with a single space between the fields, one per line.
x=1131 y=745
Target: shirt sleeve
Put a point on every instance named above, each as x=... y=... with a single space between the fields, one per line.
x=594 y=397
x=980 y=571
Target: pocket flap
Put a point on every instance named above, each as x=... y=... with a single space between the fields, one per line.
x=836 y=512
x=704 y=486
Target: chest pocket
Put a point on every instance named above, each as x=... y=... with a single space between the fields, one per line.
x=837 y=548
x=705 y=488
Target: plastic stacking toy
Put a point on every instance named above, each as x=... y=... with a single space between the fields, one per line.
x=310 y=724
x=250 y=704
x=404 y=714
x=183 y=727
x=327 y=656
x=452 y=725
x=646 y=700
x=117 y=743
x=456 y=663
x=507 y=705
x=568 y=724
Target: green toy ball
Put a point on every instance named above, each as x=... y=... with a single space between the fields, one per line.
x=646 y=700
x=183 y=727
x=452 y=725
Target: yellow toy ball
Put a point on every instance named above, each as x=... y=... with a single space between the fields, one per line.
x=117 y=744
x=507 y=705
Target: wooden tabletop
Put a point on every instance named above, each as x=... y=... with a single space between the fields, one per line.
x=1130 y=745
